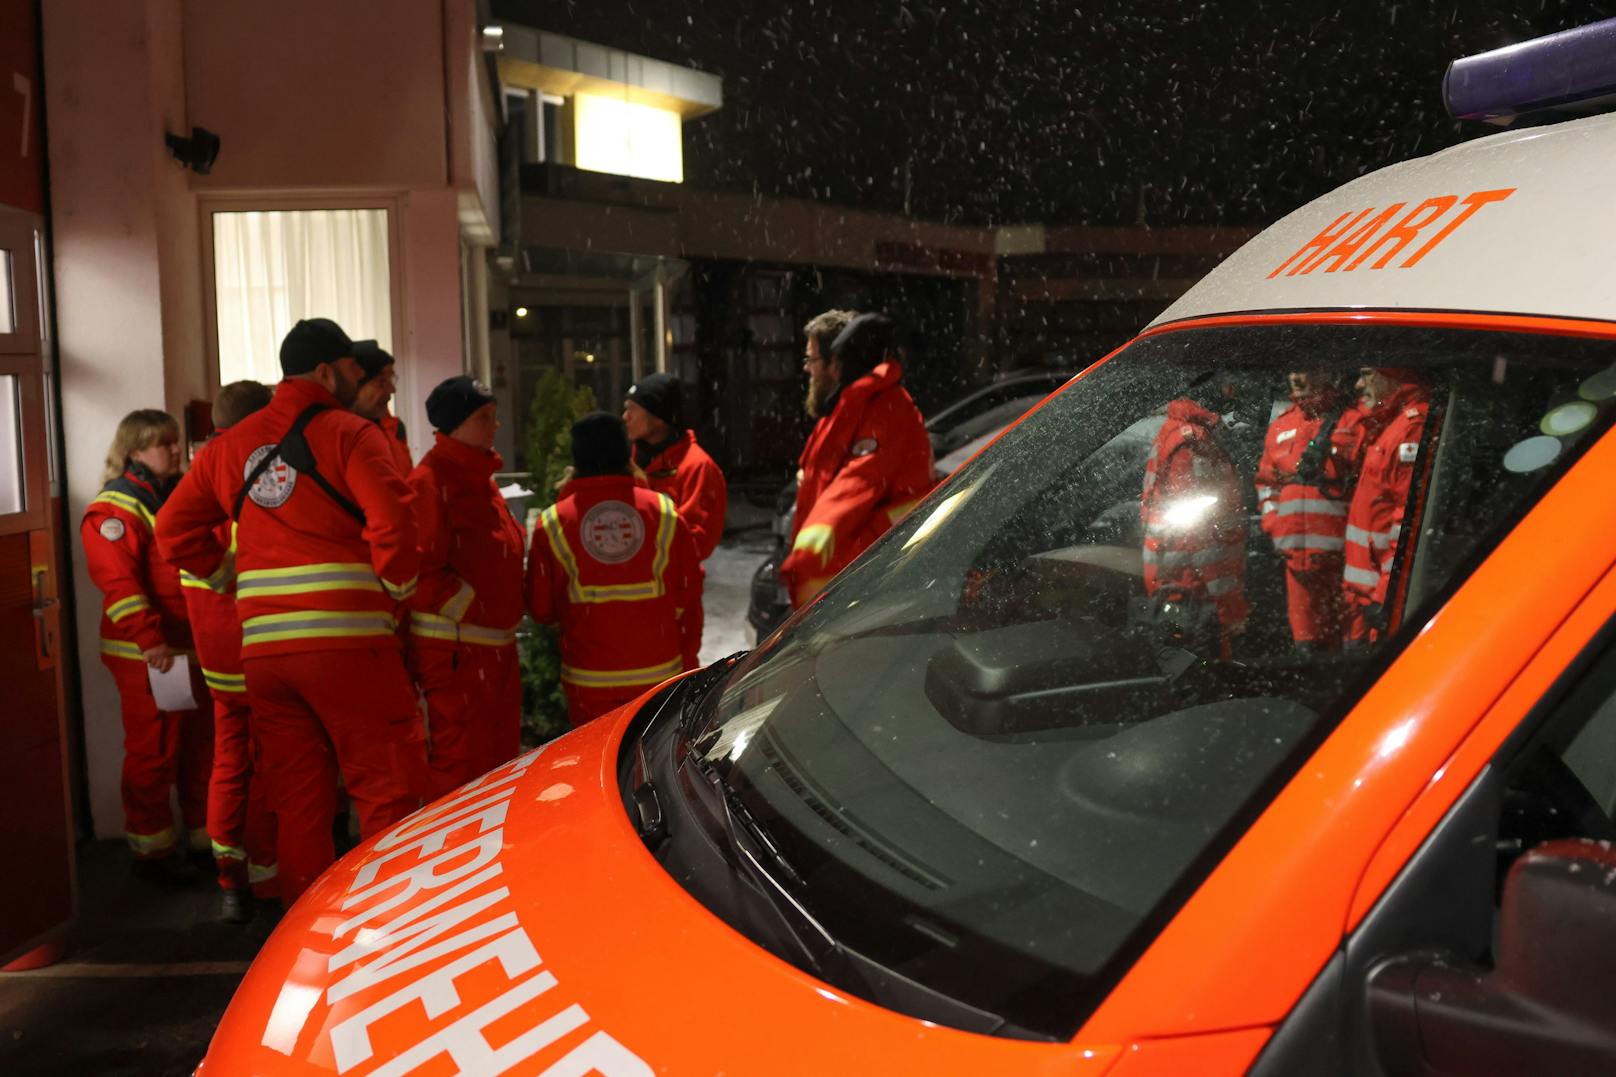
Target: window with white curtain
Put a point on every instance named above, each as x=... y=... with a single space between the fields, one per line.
x=271 y=268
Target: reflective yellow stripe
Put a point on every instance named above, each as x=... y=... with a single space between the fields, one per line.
x=261 y=873
x=315 y=624
x=401 y=591
x=456 y=607
x=122 y=648
x=621 y=678
x=431 y=626
x=666 y=523
x=124 y=607
x=228 y=852
x=302 y=579
x=222 y=577
x=900 y=510
x=225 y=682
x=818 y=539
x=558 y=543
x=150 y=844
x=128 y=504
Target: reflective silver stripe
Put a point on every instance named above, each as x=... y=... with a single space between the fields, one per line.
x=1268 y=506
x=1309 y=542
x=1363 y=577
x=1368 y=538
x=1221 y=586
x=1265 y=491
x=431 y=626
x=251 y=583
x=1172 y=559
x=313 y=623
x=1317 y=506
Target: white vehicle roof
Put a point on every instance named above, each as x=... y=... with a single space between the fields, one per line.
x=1518 y=223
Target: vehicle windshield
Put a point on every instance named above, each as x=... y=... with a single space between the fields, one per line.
x=1006 y=744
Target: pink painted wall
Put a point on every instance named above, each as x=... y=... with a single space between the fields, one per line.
x=319 y=93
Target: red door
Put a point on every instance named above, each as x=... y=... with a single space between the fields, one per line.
x=35 y=821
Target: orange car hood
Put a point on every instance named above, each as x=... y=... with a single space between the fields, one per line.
x=521 y=923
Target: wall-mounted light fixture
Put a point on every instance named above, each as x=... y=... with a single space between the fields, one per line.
x=521 y=312
x=493 y=39
x=197 y=152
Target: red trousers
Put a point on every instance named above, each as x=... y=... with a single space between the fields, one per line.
x=239 y=820
x=161 y=750
x=473 y=709
x=1317 y=606
x=319 y=714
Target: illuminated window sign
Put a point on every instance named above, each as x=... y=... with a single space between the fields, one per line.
x=627 y=139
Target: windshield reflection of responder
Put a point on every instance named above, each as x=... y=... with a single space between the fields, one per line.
x=143 y=627
x=616 y=568
x=469 y=601
x=1193 y=512
x=326 y=551
x=666 y=450
x=1394 y=402
x=868 y=459
x=240 y=824
x=1303 y=485
x=376 y=389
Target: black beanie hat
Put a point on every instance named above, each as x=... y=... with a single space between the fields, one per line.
x=311 y=342
x=371 y=357
x=863 y=345
x=453 y=401
x=663 y=396
x=599 y=445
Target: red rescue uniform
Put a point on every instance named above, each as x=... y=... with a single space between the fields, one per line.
x=1302 y=494
x=142 y=608
x=866 y=464
x=694 y=481
x=393 y=427
x=1193 y=511
x=616 y=568
x=468 y=604
x=240 y=824
x=317 y=593
x=1391 y=439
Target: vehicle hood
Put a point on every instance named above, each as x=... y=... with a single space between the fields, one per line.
x=520 y=920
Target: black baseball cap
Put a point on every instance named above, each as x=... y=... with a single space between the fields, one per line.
x=311 y=342
x=371 y=357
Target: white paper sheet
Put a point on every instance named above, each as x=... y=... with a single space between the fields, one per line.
x=513 y=489
x=172 y=690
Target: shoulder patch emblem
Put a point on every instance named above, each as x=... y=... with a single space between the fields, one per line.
x=112 y=529
x=1284 y=435
x=1412 y=413
x=864 y=447
x=274 y=487
x=1407 y=452
x=612 y=532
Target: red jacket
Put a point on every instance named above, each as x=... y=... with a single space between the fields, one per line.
x=1193 y=510
x=141 y=605
x=687 y=474
x=1306 y=515
x=470 y=587
x=866 y=464
x=616 y=568
x=1391 y=439
x=393 y=427
x=216 y=625
x=309 y=577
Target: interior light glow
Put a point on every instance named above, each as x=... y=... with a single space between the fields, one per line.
x=627 y=139
x=521 y=312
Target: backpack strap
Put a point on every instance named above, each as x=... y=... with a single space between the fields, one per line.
x=294 y=450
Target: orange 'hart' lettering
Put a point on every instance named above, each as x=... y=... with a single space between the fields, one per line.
x=1344 y=237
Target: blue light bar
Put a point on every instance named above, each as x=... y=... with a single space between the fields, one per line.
x=1572 y=71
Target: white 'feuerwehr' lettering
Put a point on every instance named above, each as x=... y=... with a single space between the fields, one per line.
x=599 y=1054
x=350 y=1039
x=455 y=878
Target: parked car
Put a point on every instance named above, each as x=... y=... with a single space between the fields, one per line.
x=976 y=810
x=957 y=432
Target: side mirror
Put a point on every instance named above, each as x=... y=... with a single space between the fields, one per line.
x=1549 y=1005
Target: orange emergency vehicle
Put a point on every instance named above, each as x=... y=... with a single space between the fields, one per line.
x=984 y=808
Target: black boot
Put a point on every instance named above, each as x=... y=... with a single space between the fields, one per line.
x=236 y=906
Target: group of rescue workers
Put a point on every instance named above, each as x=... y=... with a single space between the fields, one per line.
x=1331 y=488
x=353 y=615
